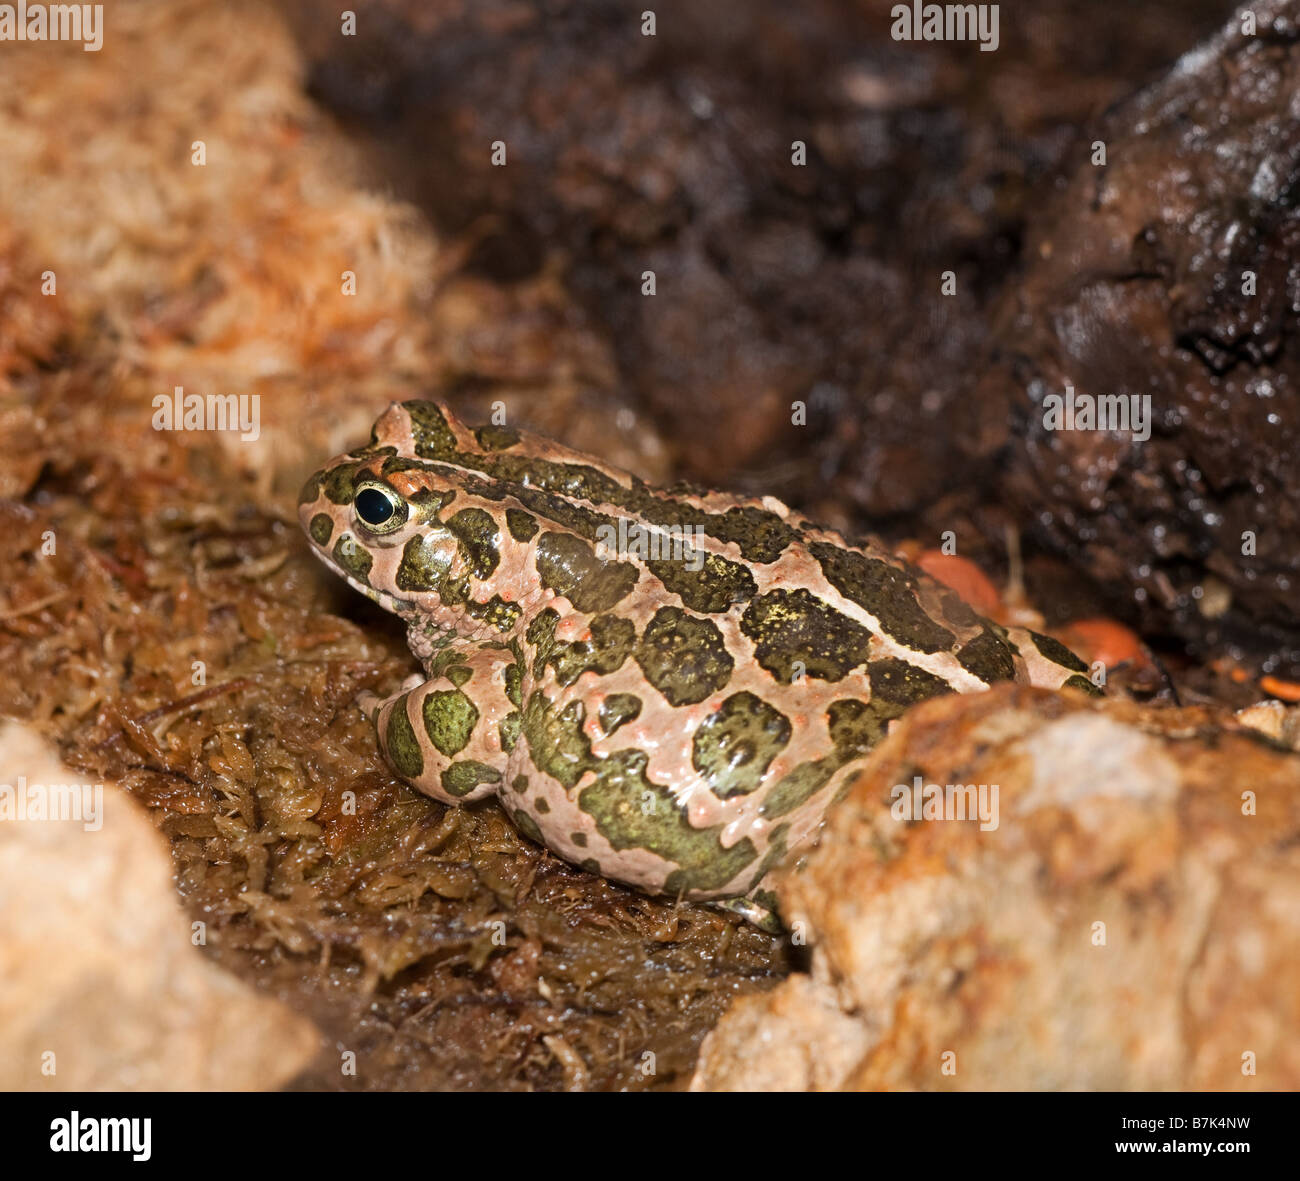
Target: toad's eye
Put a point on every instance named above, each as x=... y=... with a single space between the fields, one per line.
x=379 y=508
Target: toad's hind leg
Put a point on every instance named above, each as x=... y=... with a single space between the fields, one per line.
x=450 y=736
x=758 y=907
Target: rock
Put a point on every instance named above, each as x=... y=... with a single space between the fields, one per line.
x=1279 y=722
x=1127 y=916
x=100 y=985
x=1169 y=273
x=795 y=1038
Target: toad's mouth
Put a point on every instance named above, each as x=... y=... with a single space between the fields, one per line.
x=389 y=602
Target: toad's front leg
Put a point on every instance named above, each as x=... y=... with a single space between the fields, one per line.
x=450 y=736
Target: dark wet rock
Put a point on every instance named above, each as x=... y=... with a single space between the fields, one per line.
x=1173 y=271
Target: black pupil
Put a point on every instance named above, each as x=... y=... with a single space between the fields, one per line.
x=374 y=507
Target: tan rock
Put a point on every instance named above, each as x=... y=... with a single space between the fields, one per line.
x=1126 y=917
x=1279 y=722
x=101 y=987
x=794 y=1038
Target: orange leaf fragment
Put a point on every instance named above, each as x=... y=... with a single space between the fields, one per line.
x=1284 y=690
x=964 y=577
x=1103 y=640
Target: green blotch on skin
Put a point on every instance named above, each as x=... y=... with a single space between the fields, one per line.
x=776 y=849
x=556 y=743
x=454 y=592
x=509 y=729
x=569 y=566
x=572 y=481
x=541 y=634
x=496 y=438
x=522 y=525
x=429 y=429
x=633 y=813
x=519 y=783
x=420 y=568
x=579 y=839
x=761 y=535
x=800 y=785
x=767 y=898
x=988 y=657
x=716 y=586
x=1083 y=684
x=449 y=720
x=459 y=674
x=540 y=806
x=684 y=657
x=446 y=661
x=321 y=529
x=958 y=612
x=462 y=778
x=899 y=684
x=856 y=726
x=496 y=611
x=352 y=557
x=617 y=710
x=612 y=640
x=795 y=629
x=1054 y=650
x=513 y=675
x=480 y=542
x=577 y=518
x=401 y=744
x=527 y=825
x=339 y=483
x=886 y=593
x=310 y=491
x=734 y=746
